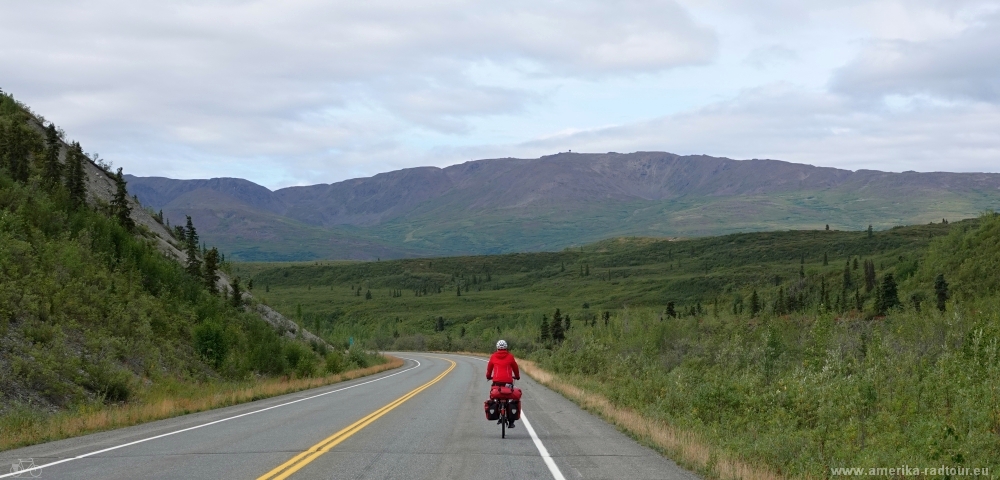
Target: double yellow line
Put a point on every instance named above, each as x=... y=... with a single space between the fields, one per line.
x=297 y=462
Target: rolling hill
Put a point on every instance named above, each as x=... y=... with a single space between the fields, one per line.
x=549 y=203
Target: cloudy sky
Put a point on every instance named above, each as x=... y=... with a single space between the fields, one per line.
x=293 y=92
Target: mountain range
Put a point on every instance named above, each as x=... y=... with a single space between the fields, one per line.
x=553 y=202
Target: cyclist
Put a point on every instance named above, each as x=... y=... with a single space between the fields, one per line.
x=502 y=368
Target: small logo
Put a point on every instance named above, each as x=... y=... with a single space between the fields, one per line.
x=23 y=468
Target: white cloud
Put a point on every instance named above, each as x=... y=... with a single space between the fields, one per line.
x=298 y=79
x=785 y=123
x=305 y=91
x=966 y=66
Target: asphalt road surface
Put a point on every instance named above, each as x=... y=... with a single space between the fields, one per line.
x=424 y=420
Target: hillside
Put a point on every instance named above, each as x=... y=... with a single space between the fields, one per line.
x=549 y=203
x=798 y=351
x=97 y=309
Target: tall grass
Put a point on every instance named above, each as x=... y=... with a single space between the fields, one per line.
x=28 y=427
x=685 y=447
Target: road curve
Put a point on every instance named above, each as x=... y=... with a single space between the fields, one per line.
x=407 y=423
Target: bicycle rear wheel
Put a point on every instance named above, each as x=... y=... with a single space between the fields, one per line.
x=503 y=420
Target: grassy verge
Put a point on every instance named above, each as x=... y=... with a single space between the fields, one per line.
x=685 y=447
x=23 y=428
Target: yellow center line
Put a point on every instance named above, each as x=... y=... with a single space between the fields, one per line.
x=297 y=462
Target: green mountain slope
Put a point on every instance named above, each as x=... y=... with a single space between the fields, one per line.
x=511 y=205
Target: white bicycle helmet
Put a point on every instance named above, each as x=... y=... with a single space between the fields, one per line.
x=502 y=345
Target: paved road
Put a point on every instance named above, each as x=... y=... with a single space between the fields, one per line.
x=373 y=427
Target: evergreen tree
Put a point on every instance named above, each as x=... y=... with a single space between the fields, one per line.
x=855 y=263
x=780 y=305
x=119 y=204
x=440 y=325
x=211 y=273
x=826 y=260
x=76 y=181
x=586 y=271
x=941 y=291
x=546 y=333
x=671 y=312
x=558 y=334
x=15 y=149
x=191 y=248
x=871 y=233
x=566 y=328
x=802 y=267
x=870 y=279
x=888 y=297
x=52 y=171
x=607 y=317
x=237 y=293
x=458 y=290
x=858 y=304
x=848 y=280
x=368 y=295
x=754 y=304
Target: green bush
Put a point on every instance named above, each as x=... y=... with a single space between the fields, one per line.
x=111 y=383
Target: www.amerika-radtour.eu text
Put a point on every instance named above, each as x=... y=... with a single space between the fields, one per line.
x=906 y=470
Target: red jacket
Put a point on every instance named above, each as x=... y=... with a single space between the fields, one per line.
x=502 y=367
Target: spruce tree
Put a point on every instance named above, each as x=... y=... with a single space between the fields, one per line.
x=237 y=293
x=607 y=317
x=780 y=303
x=566 y=328
x=211 y=274
x=558 y=335
x=671 y=311
x=75 y=177
x=870 y=232
x=52 y=170
x=888 y=297
x=119 y=204
x=826 y=260
x=848 y=280
x=941 y=291
x=546 y=333
x=15 y=151
x=191 y=248
x=754 y=304
x=870 y=279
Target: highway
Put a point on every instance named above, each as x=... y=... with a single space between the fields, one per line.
x=424 y=420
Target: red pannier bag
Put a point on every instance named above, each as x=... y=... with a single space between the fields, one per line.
x=492 y=410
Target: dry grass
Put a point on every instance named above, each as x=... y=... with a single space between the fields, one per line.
x=685 y=447
x=203 y=397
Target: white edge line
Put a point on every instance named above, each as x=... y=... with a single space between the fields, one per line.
x=116 y=447
x=544 y=452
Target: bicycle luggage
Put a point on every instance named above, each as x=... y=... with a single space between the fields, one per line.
x=514 y=409
x=492 y=410
x=504 y=392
